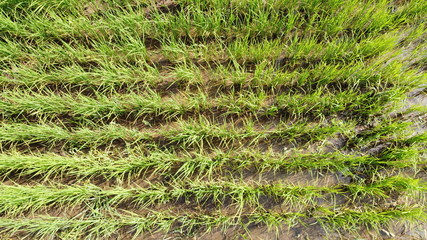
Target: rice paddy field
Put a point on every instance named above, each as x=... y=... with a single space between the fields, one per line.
x=213 y=119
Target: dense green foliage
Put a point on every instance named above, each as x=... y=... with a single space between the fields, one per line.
x=122 y=119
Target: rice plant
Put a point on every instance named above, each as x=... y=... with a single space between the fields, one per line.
x=195 y=119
